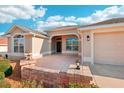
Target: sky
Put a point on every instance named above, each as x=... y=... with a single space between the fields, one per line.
x=50 y=16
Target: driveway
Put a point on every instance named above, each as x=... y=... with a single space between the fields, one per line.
x=57 y=62
x=108 y=76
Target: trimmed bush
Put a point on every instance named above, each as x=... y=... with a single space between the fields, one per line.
x=8 y=71
x=31 y=84
x=4 y=84
x=2 y=75
x=5 y=67
x=74 y=85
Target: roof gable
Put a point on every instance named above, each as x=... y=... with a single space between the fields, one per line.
x=22 y=29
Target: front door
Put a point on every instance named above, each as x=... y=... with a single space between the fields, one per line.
x=58 y=47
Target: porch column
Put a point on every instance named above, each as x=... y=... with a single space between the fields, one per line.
x=50 y=45
x=12 y=44
x=81 y=45
x=92 y=48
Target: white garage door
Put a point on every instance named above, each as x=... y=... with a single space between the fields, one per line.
x=109 y=48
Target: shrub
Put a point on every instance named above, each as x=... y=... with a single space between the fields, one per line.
x=4 y=84
x=5 y=67
x=31 y=84
x=74 y=85
x=8 y=71
x=2 y=75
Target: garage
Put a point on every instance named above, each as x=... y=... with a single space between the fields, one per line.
x=109 y=48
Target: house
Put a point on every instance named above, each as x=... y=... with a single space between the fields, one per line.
x=3 y=46
x=100 y=42
x=22 y=40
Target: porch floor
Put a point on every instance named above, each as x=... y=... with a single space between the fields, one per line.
x=59 y=62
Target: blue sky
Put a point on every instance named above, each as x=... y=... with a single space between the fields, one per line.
x=46 y=17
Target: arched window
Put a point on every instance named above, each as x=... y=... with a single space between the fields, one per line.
x=19 y=44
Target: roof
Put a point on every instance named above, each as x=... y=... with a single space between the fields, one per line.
x=75 y=27
x=29 y=30
x=3 y=41
x=72 y=27
x=109 y=21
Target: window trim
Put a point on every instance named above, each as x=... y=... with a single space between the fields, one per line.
x=18 y=46
x=72 y=45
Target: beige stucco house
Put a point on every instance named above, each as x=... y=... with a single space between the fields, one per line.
x=100 y=42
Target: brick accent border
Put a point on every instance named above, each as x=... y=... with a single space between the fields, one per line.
x=55 y=78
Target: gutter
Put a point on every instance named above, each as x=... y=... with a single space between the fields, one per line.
x=101 y=26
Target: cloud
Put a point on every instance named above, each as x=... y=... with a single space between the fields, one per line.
x=2 y=33
x=10 y=13
x=97 y=16
x=52 y=22
x=54 y=18
x=70 y=18
x=41 y=25
x=100 y=15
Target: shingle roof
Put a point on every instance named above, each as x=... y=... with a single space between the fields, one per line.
x=72 y=27
x=3 y=41
x=109 y=21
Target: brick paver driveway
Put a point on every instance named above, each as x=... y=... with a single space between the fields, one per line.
x=108 y=76
x=57 y=62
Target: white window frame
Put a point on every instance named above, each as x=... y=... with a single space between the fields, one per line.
x=14 y=45
x=72 y=45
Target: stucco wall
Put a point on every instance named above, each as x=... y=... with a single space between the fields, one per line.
x=45 y=47
x=101 y=42
x=40 y=46
x=3 y=48
x=28 y=43
x=9 y=44
x=86 y=45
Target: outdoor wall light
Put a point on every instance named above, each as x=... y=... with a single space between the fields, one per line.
x=78 y=64
x=88 y=38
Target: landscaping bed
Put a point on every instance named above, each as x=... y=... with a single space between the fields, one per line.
x=14 y=80
x=5 y=71
x=5 y=68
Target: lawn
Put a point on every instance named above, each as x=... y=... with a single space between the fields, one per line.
x=5 y=70
x=5 y=67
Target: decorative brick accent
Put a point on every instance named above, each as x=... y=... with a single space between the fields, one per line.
x=54 y=78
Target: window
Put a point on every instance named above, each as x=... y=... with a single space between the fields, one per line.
x=72 y=44
x=18 y=44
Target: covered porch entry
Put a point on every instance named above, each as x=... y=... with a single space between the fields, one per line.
x=65 y=44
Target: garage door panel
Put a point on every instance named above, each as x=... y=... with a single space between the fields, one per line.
x=109 y=48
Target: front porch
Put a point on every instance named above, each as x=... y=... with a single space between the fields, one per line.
x=59 y=62
x=57 y=71
x=65 y=44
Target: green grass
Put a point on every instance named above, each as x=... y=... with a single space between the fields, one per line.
x=2 y=75
x=5 y=67
x=4 y=64
x=5 y=70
